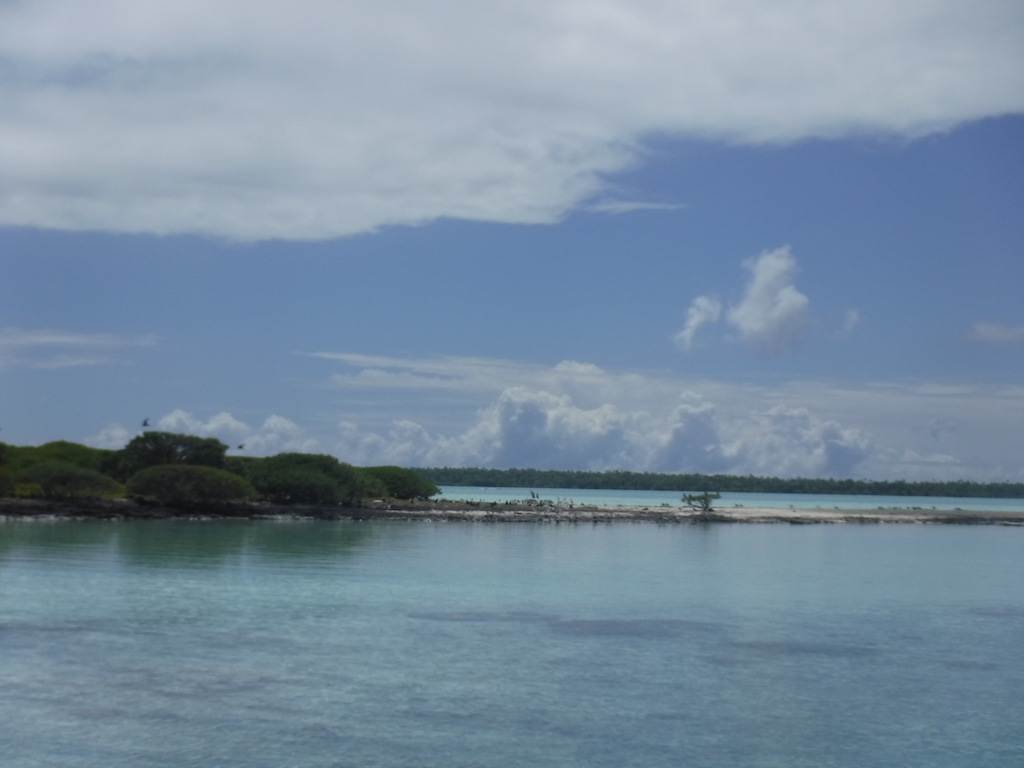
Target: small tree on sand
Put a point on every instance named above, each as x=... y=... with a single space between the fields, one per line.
x=701 y=503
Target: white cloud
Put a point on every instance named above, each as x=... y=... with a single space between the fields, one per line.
x=703 y=310
x=772 y=312
x=113 y=437
x=460 y=374
x=626 y=206
x=575 y=415
x=794 y=442
x=314 y=119
x=277 y=434
x=999 y=335
x=530 y=428
x=578 y=415
x=20 y=348
x=850 y=321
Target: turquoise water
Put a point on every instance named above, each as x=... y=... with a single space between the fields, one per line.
x=302 y=644
x=612 y=498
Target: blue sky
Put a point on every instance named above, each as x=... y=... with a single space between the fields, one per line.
x=779 y=238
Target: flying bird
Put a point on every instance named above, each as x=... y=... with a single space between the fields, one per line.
x=145 y=422
x=241 y=447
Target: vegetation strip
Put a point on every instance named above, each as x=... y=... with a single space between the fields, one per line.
x=179 y=469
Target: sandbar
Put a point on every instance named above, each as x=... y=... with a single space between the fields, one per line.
x=12 y=509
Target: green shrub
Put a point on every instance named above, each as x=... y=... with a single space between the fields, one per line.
x=21 y=457
x=306 y=478
x=241 y=465
x=6 y=482
x=403 y=483
x=371 y=487
x=189 y=482
x=60 y=480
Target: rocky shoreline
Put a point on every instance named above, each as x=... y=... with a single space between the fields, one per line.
x=12 y=509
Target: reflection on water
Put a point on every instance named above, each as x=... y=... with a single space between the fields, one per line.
x=52 y=537
x=172 y=543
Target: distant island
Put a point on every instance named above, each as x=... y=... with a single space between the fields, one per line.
x=653 y=481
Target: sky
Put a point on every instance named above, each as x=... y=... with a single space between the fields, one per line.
x=771 y=237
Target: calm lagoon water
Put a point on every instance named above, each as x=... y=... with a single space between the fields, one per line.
x=302 y=644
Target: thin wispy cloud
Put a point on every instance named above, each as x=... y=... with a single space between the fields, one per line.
x=24 y=348
x=631 y=206
x=851 y=320
x=314 y=119
x=998 y=334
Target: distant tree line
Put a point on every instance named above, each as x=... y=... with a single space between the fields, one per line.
x=654 y=481
x=175 y=468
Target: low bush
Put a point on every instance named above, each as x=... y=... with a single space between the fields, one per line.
x=403 y=483
x=371 y=487
x=6 y=482
x=189 y=482
x=306 y=478
x=21 y=457
x=241 y=465
x=59 y=480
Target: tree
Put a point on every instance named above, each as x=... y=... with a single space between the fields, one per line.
x=403 y=483
x=189 y=483
x=152 y=449
x=701 y=503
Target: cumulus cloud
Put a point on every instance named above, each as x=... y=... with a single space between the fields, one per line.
x=772 y=313
x=315 y=119
x=21 y=348
x=575 y=415
x=113 y=437
x=794 y=442
x=529 y=428
x=703 y=310
x=998 y=334
x=275 y=435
